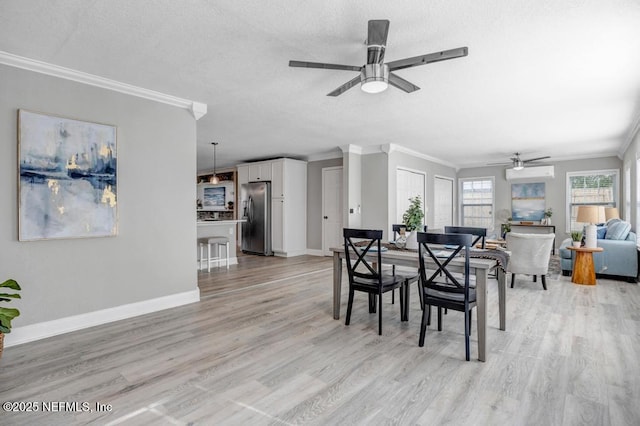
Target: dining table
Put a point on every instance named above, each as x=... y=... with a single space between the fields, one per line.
x=481 y=262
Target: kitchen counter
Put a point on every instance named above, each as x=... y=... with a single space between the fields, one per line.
x=219 y=222
x=220 y=228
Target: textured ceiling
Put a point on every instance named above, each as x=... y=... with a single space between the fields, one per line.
x=544 y=77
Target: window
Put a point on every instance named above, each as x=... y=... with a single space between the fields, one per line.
x=476 y=202
x=591 y=188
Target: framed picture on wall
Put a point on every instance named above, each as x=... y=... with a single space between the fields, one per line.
x=67 y=184
x=527 y=201
x=214 y=197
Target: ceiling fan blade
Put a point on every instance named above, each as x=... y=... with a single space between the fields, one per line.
x=536 y=159
x=348 y=85
x=303 y=64
x=378 y=32
x=428 y=58
x=402 y=84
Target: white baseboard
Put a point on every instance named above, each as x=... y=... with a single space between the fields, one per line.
x=314 y=252
x=214 y=263
x=290 y=253
x=42 y=330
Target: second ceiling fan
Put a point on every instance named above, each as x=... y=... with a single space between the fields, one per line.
x=376 y=75
x=518 y=163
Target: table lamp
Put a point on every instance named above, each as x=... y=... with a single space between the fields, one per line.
x=611 y=213
x=591 y=215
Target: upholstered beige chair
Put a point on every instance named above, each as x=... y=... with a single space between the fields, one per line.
x=530 y=254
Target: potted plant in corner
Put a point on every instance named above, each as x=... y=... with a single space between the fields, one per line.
x=412 y=219
x=7 y=314
x=576 y=237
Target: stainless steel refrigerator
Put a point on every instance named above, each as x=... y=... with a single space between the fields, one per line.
x=256 y=212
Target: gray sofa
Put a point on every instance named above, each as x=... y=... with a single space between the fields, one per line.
x=619 y=258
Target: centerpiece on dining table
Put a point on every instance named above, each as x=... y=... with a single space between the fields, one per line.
x=412 y=219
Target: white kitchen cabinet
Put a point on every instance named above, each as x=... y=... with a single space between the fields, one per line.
x=242 y=175
x=277 y=178
x=260 y=171
x=277 y=225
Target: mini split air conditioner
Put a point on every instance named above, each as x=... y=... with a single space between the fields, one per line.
x=531 y=172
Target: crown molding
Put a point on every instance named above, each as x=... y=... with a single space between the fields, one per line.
x=632 y=134
x=197 y=109
x=325 y=156
x=391 y=147
x=551 y=161
x=353 y=149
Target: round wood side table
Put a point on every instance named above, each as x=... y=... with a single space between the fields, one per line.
x=584 y=271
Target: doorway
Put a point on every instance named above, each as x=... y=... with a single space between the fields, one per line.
x=331 y=209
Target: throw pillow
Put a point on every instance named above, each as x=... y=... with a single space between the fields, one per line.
x=618 y=231
x=602 y=232
x=612 y=221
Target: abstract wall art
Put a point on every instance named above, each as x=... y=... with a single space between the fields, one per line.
x=67 y=178
x=527 y=201
x=214 y=197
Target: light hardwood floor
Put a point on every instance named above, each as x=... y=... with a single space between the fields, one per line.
x=262 y=348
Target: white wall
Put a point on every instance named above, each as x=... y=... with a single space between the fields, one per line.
x=154 y=254
x=431 y=169
x=555 y=188
x=314 y=200
x=629 y=159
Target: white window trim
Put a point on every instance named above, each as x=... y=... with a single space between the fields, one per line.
x=567 y=200
x=461 y=182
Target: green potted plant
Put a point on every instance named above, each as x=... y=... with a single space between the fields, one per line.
x=7 y=314
x=412 y=219
x=576 y=237
x=547 y=216
x=505 y=228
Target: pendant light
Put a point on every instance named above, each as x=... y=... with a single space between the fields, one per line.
x=214 y=178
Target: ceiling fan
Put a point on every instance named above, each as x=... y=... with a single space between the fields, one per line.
x=518 y=163
x=375 y=75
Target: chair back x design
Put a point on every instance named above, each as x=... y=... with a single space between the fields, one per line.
x=366 y=274
x=480 y=234
x=440 y=287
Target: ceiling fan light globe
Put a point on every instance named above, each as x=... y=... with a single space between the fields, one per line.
x=374 y=78
x=518 y=165
x=374 y=86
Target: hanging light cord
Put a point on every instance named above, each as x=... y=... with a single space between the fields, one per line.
x=214 y=178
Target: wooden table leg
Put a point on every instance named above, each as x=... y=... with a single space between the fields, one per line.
x=584 y=271
x=481 y=307
x=337 y=284
x=502 y=297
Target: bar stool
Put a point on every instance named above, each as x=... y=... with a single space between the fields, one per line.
x=209 y=241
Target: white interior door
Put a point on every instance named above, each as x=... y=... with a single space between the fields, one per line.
x=409 y=184
x=442 y=202
x=331 y=209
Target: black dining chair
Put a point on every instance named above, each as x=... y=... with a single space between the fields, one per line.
x=441 y=288
x=480 y=234
x=366 y=275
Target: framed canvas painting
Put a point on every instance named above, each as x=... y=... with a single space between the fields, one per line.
x=67 y=184
x=527 y=201
x=214 y=197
